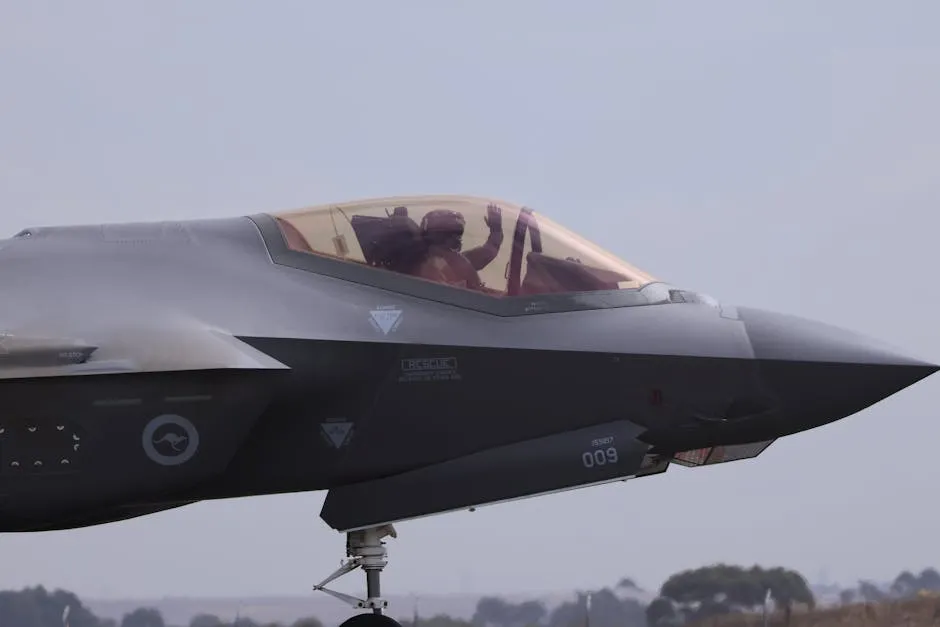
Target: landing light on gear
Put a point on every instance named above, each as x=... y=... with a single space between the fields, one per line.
x=365 y=549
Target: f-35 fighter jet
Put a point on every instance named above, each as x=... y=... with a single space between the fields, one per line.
x=411 y=355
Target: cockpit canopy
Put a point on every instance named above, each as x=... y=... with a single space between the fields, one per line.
x=487 y=246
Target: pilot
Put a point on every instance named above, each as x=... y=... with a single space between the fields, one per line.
x=443 y=230
x=443 y=227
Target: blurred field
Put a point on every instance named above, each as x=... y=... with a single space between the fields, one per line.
x=918 y=612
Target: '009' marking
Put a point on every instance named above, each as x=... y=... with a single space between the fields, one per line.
x=600 y=457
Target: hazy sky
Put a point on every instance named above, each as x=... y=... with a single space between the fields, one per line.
x=776 y=154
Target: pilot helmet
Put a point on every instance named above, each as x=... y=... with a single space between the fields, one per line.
x=443 y=226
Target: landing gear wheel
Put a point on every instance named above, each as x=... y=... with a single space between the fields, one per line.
x=365 y=550
x=371 y=620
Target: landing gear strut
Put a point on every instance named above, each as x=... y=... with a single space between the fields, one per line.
x=365 y=549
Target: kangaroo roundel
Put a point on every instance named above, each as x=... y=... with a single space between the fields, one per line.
x=170 y=440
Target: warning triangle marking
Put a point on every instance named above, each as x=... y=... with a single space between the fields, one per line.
x=336 y=432
x=386 y=319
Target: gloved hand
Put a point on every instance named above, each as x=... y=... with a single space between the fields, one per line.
x=494 y=218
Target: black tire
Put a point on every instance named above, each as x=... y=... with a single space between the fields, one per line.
x=371 y=620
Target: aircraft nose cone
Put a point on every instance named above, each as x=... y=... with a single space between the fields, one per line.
x=822 y=373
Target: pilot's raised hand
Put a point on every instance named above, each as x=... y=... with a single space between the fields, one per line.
x=494 y=217
x=481 y=256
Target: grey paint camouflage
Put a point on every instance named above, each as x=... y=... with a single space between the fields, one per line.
x=147 y=366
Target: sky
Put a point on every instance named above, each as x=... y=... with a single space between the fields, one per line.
x=777 y=155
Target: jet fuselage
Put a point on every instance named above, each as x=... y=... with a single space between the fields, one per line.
x=148 y=366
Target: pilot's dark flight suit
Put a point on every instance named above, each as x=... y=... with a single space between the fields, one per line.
x=443 y=230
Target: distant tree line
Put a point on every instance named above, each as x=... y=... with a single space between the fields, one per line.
x=685 y=598
x=37 y=607
x=905 y=586
x=610 y=607
x=695 y=595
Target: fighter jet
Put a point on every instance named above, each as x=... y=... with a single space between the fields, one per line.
x=409 y=355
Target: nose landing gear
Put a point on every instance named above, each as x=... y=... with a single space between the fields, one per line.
x=365 y=549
